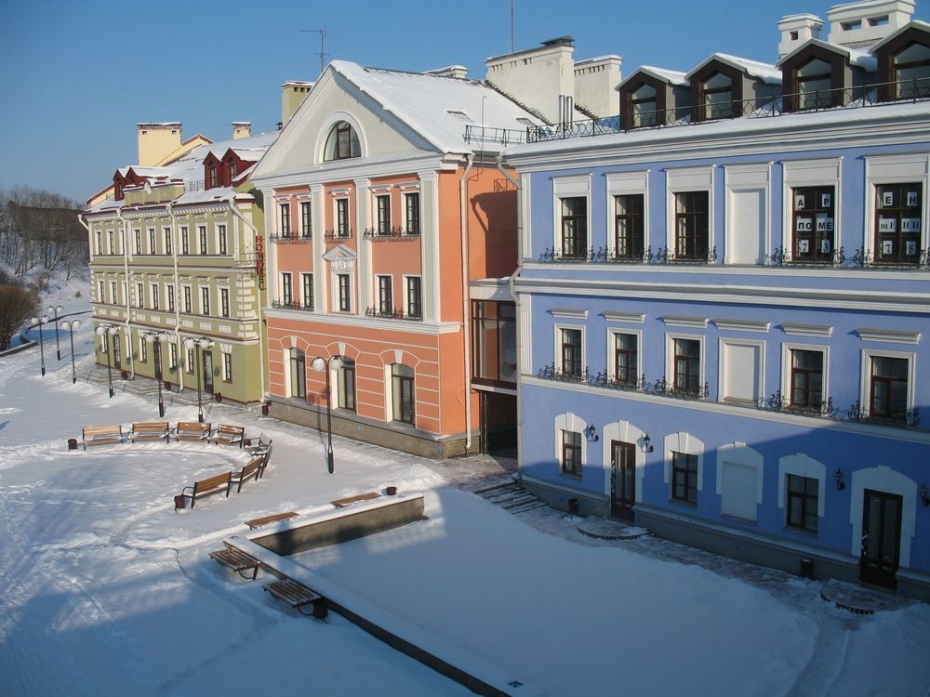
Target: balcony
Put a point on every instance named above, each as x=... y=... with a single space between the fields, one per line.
x=610 y=255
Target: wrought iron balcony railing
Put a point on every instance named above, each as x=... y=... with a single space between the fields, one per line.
x=292 y=305
x=602 y=379
x=338 y=234
x=393 y=234
x=780 y=403
x=393 y=314
x=290 y=236
x=857 y=412
x=555 y=372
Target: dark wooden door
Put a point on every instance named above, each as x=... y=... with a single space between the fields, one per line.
x=881 y=538
x=117 y=361
x=207 y=372
x=622 y=479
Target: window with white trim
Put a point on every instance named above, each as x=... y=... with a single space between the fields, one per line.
x=224 y=302
x=414 y=300
x=570 y=352
x=344 y=292
x=284 y=219
x=685 y=365
x=154 y=294
x=888 y=387
x=385 y=295
x=223 y=241
x=741 y=364
x=202 y=239
x=169 y=290
x=227 y=367
x=570 y=460
x=412 y=213
x=625 y=362
x=138 y=236
x=185 y=240
x=812 y=211
x=287 y=289
x=689 y=234
x=343 y=229
x=804 y=378
x=152 y=249
x=306 y=219
x=383 y=210
x=205 y=300
x=306 y=281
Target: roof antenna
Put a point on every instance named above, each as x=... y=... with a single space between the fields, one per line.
x=322 y=53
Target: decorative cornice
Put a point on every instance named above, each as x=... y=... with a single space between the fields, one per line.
x=685 y=321
x=889 y=335
x=742 y=325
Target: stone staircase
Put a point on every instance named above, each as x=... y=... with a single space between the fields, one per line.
x=509 y=495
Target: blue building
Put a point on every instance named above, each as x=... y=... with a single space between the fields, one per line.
x=724 y=307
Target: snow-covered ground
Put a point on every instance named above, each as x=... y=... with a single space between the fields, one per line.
x=109 y=591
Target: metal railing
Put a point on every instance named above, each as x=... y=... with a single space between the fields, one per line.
x=291 y=236
x=392 y=234
x=291 y=305
x=393 y=314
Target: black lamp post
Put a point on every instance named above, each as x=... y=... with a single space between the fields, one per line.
x=39 y=321
x=201 y=344
x=106 y=332
x=56 y=309
x=157 y=339
x=71 y=326
x=322 y=365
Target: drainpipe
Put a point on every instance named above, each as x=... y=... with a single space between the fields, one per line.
x=128 y=323
x=177 y=292
x=516 y=299
x=466 y=324
x=261 y=306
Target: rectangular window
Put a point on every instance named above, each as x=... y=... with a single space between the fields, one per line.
x=801 y=504
x=287 y=289
x=224 y=302
x=284 y=220
x=806 y=379
x=342 y=218
x=140 y=295
x=494 y=341
x=170 y=291
x=173 y=355
x=187 y=299
x=185 y=240
x=152 y=249
x=575 y=227
x=227 y=367
x=629 y=239
x=692 y=226
x=813 y=224
x=626 y=363
x=111 y=243
x=306 y=280
x=384 y=214
x=385 y=296
x=138 y=241
x=143 y=350
x=221 y=236
x=202 y=235
x=345 y=292
x=155 y=296
x=98 y=242
x=101 y=292
x=412 y=208
x=298 y=373
x=306 y=221
x=403 y=393
x=190 y=361
x=346 y=384
x=204 y=300
x=114 y=297
x=888 y=389
x=687 y=366
x=167 y=233
x=684 y=477
x=414 y=297
x=898 y=223
x=570 y=352
x=571 y=453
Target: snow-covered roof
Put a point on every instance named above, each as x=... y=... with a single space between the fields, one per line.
x=862 y=59
x=766 y=72
x=672 y=77
x=438 y=108
x=914 y=23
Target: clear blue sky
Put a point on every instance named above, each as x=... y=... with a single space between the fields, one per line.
x=78 y=75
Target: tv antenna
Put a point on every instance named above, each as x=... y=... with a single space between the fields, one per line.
x=322 y=53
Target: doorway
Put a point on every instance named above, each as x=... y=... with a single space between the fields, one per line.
x=881 y=538
x=207 y=372
x=117 y=362
x=622 y=479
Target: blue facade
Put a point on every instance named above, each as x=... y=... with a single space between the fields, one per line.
x=753 y=379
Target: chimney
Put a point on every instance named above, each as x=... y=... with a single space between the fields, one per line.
x=156 y=141
x=596 y=82
x=293 y=93
x=863 y=24
x=797 y=30
x=241 y=129
x=459 y=72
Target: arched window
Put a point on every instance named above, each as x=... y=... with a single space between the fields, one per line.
x=298 y=370
x=403 y=394
x=346 y=384
x=341 y=143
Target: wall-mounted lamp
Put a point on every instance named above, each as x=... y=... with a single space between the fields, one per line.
x=591 y=434
x=648 y=447
x=924 y=495
x=838 y=478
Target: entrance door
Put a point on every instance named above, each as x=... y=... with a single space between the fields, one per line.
x=881 y=538
x=115 y=349
x=622 y=479
x=207 y=372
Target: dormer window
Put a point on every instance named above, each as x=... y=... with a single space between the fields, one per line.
x=645 y=107
x=815 y=80
x=342 y=143
x=912 y=72
x=212 y=177
x=233 y=171
x=717 y=97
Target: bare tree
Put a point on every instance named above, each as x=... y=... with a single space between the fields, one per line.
x=17 y=305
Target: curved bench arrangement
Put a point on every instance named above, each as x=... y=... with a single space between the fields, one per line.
x=223 y=434
x=254 y=469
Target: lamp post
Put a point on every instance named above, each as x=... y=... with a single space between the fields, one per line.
x=39 y=321
x=106 y=332
x=71 y=326
x=323 y=365
x=157 y=339
x=56 y=309
x=201 y=344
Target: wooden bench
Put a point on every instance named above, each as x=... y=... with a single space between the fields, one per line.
x=258 y=522
x=102 y=435
x=259 y=447
x=191 y=430
x=154 y=430
x=252 y=470
x=210 y=485
x=298 y=597
x=237 y=560
x=266 y=458
x=228 y=434
x=348 y=501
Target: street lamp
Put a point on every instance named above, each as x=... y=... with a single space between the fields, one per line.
x=56 y=309
x=71 y=326
x=158 y=339
x=201 y=344
x=322 y=365
x=39 y=321
x=105 y=332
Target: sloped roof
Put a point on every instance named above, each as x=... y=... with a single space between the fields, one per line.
x=766 y=72
x=862 y=59
x=671 y=77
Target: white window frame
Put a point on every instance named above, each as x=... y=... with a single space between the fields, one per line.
x=558 y=327
x=612 y=334
x=570 y=187
x=153 y=249
x=686 y=444
x=801 y=174
x=569 y=421
x=202 y=239
x=377 y=292
x=801 y=465
x=688 y=180
x=626 y=184
x=205 y=295
x=154 y=296
x=221 y=232
x=286 y=279
x=406 y=291
x=169 y=246
x=337 y=300
x=895 y=169
x=405 y=194
x=670 y=360
x=786 y=349
x=738 y=453
x=866 y=375
x=722 y=387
